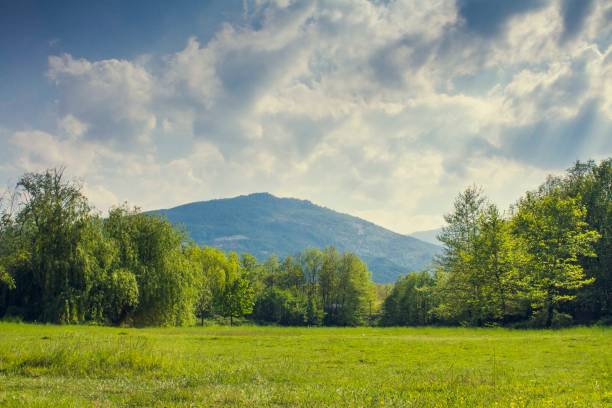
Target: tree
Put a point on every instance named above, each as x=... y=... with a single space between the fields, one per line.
x=9 y=246
x=155 y=252
x=315 y=287
x=478 y=277
x=237 y=299
x=52 y=218
x=281 y=306
x=311 y=261
x=345 y=288
x=328 y=284
x=553 y=231
x=497 y=260
x=591 y=184
x=411 y=301
x=461 y=284
x=209 y=278
x=225 y=283
x=5 y=278
x=359 y=292
x=121 y=296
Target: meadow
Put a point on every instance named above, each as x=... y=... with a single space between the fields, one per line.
x=47 y=365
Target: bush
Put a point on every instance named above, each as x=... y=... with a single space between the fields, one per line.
x=13 y=314
x=605 y=321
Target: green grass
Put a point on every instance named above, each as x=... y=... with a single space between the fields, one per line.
x=269 y=366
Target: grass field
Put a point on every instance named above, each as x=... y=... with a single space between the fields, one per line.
x=263 y=366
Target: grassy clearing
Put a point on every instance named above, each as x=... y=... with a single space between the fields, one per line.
x=263 y=366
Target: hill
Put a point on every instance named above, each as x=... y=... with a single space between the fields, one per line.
x=430 y=236
x=265 y=225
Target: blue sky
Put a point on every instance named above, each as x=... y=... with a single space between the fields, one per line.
x=382 y=109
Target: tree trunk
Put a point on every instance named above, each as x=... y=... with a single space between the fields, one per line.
x=549 y=314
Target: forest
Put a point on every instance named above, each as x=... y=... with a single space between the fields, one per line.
x=545 y=262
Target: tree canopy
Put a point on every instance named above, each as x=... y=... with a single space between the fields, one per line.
x=546 y=261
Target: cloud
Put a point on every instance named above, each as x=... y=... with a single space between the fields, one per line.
x=557 y=91
x=381 y=109
x=560 y=114
x=102 y=196
x=554 y=144
x=112 y=96
x=72 y=126
x=39 y=150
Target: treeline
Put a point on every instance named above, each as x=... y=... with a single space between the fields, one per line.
x=546 y=262
x=60 y=262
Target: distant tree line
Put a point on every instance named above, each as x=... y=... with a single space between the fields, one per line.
x=61 y=262
x=546 y=262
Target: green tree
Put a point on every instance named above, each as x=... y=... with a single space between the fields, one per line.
x=281 y=306
x=329 y=281
x=9 y=247
x=461 y=286
x=311 y=261
x=411 y=301
x=226 y=283
x=154 y=251
x=591 y=184
x=478 y=277
x=209 y=277
x=497 y=262
x=346 y=288
x=554 y=233
x=356 y=292
x=52 y=219
x=237 y=299
x=121 y=296
x=98 y=257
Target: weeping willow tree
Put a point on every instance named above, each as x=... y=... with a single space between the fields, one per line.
x=60 y=262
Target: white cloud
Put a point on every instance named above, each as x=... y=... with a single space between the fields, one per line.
x=40 y=150
x=113 y=96
x=103 y=198
x=72 y=126
x=380 y=109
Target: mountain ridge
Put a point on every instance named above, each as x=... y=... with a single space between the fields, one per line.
x=264 y=225
x=430 y=236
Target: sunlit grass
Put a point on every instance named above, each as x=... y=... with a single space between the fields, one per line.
x=269 y=366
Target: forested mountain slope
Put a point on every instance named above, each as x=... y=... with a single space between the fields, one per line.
x=263 y=225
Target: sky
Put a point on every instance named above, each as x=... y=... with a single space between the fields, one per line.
x=381 y=109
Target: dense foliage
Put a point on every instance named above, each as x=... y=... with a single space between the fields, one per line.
x=60 y=262
x=315 y=287
x=547 y=262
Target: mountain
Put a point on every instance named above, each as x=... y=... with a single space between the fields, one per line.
x=263 y=225
x=430 y=236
